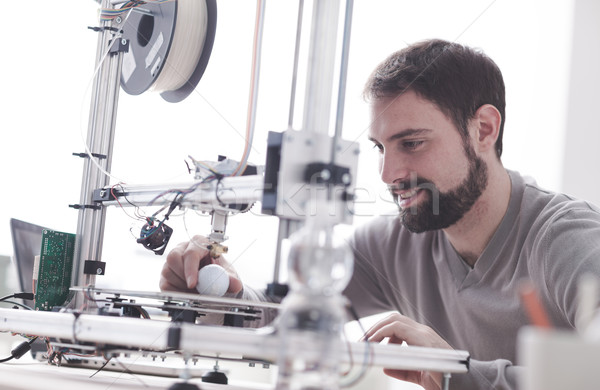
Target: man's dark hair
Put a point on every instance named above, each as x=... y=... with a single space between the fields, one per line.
x=458 y=79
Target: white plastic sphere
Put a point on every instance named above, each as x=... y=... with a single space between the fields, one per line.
x=212 y=280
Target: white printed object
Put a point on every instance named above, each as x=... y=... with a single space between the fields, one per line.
x=213 y=280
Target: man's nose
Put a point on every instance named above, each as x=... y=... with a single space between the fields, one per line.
x=393 y=168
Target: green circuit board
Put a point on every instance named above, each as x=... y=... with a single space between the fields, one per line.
x=56 y=264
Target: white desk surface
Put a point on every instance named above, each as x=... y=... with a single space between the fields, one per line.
x=36 y=375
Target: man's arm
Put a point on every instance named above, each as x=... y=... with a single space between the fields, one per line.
x=497 y=374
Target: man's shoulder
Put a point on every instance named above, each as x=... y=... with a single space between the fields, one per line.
x=540 y=203
x=556 y=205
x=549 y=219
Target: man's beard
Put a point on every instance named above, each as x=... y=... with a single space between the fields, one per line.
x=440 y=210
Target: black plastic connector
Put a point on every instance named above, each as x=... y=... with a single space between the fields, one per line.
x=21 y=349
x=24 y=295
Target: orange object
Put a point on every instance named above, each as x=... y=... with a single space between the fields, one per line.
x=533 y=307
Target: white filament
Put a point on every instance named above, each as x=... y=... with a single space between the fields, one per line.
x=186 y=46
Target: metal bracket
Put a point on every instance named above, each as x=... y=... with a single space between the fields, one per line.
x=121 y=45
x=94 y=267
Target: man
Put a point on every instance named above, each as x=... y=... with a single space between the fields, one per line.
x=469 y=233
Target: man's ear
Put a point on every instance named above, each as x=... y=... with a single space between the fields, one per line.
x=486 y=122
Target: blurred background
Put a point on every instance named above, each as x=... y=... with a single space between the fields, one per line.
x=549 y=54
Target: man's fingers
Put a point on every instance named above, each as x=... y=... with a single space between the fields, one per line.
x=396 y=331
x=404 y=375
x=175 y=259
x=235 y=284
x=192 y=256
x=395 y=317
x=166 y=286
x=170 y=278
x=400 y=328
x=180 y=271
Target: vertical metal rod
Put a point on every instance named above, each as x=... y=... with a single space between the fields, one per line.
x=296 y=60
x=107 y=142
x=321 y=59
x=446 y=381
x=339 y=122
x=282 y=234
x=101 y=126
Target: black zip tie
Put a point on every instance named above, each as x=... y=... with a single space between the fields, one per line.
x=85 y=155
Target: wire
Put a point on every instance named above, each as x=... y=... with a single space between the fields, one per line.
x=251 y=115
x=21 y=295
x=137 y=215
x=7 y=359
x=101 y=60
x=20 y=350
x=108 y=14
x=368 y=357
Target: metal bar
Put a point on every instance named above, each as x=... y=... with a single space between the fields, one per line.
x=101 y=124
x=296 y=60
x=282 y=234
x=261 y=343
x=446 y=381
x=321 y=59
x=203 y=196
x=339 y=121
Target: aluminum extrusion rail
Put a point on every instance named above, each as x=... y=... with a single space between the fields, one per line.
x=157 y=335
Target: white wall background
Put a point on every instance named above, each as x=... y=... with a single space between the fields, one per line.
x=48 y=60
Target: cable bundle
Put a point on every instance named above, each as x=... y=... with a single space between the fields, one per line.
x=107 y=14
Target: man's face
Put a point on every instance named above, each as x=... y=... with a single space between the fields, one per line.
x=434 y=176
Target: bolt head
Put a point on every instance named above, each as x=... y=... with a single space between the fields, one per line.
x=346 y=178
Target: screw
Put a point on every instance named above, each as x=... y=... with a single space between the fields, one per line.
x=325 y=174
x=346 y=178
x=118 y=19
x=99 y=271
x=123 y=41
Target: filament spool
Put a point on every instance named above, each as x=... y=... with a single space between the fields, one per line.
x=169 y=47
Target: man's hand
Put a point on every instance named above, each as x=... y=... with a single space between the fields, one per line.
x=180 y=272
x=398 y=329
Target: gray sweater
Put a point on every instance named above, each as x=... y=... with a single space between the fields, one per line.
x=547 y=238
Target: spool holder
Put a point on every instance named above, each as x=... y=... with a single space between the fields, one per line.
x=151 y=37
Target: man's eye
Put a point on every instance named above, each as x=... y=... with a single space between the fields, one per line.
x=379 y=147
x=411 y=144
